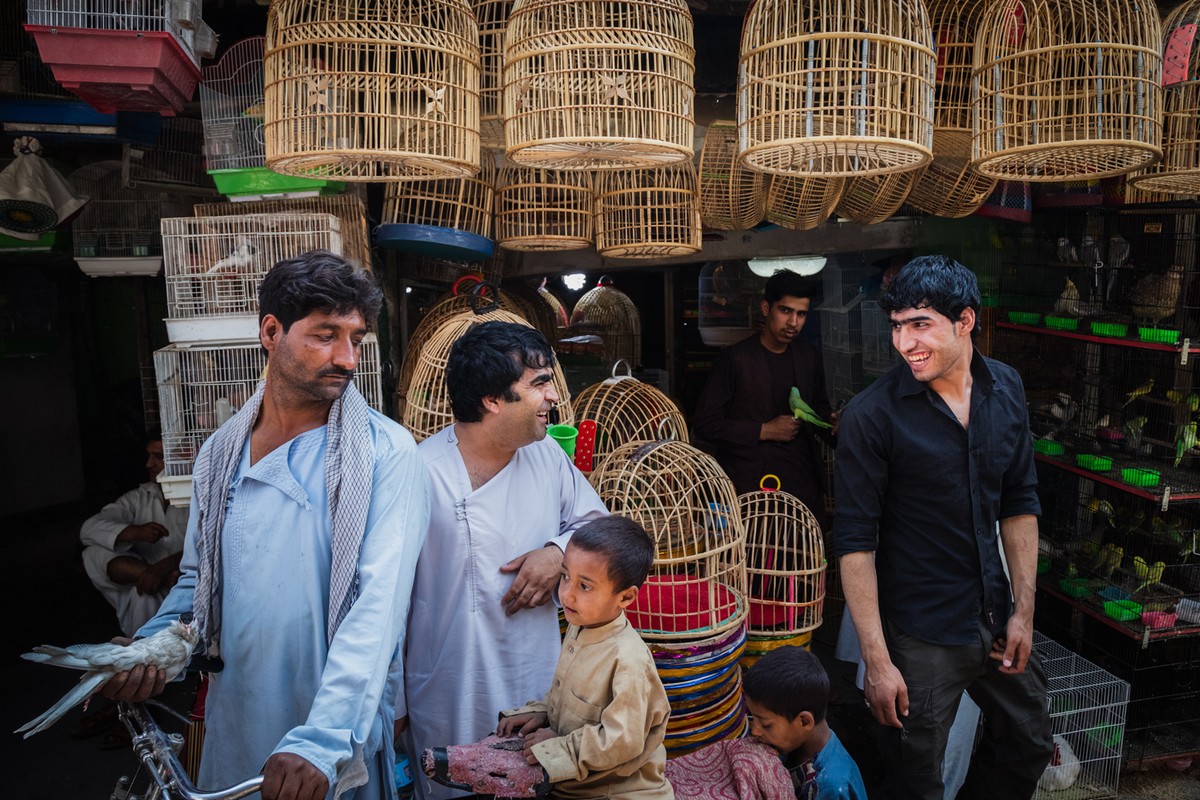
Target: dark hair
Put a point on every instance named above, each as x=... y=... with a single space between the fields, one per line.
x=785 y=283
x=317 y=281
x=153 y=434
x=626 y=545
x=937 y=282
x=788 y=680
x=487 y=360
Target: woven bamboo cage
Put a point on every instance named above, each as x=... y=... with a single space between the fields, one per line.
x=544 y=209
x=834 y=88
x=608 y=312
x=802 y=203
x=348 y=208
x=532 y=306
x=463 y=203
x=599 y=84
x=732 y=198
x=680 y=495
x=785 y=564
x=648 y=213
x=427 y=402
x=492 y=17
x=1066 y=89
x=557 y=309
x=628 y=410
x=874 y=198
x=371 y=91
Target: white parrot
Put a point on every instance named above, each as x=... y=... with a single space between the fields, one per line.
x=170 y=650
x=240 y=257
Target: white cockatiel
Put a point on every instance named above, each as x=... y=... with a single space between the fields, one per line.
x=240 y=257
x=170 y=650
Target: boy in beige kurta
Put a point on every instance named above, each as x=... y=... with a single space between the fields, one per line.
x=599 y=730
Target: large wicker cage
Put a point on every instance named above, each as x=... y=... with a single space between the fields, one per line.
x=873 y=198
x=732 y=197
x=835 y=88
x=544 y=209
x=599 y=84
x=1066 y=89
x=371 y=90
x=802 y=204
x=492 y=17
x=462 y=203
x=648 y=213
x=952 y=186
x=609 y=313
x=697 y=585
x=628 y=410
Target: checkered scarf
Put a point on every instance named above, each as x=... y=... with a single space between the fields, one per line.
x=349 y=463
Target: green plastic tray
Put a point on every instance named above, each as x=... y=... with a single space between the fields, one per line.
x=1048 y=447
x=1075 y=587
x=1113 y=329
x=1162 y=335
x=1024 y=317
x=262 y=182
x=1061 y=323
x=1137 y=476
x=1093 y=462
x=1122 y=610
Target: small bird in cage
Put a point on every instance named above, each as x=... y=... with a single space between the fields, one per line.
x=1185 y=441
x=1153 y=297
x=1066 y=251
x=1148 y=574
x=1104 y=508
x=1118 y=256
x=1068 y=301
x=1108 y=559
x=240 y=257
x=1132 y=429
x=1089 y=252
x=1140 y=391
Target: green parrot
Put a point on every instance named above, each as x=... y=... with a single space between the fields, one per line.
x=1185 y=441
x=1144 y=389
x=1193 y=401
x=802 y=410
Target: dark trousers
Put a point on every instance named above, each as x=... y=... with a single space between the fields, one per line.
x=1015 y=743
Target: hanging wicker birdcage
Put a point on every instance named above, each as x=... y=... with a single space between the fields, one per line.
x=834 y=88
x=628 y=410
x=1066 y=89
x=544 y=209
x=802 y=203
x=680 y=495
x=557 y=309
x=648 y=213
x=599 y=84
x=608 y=312
x=732 y=198
x=463 y=203
x=874 y=198
x=492 y=17
x=371 y=91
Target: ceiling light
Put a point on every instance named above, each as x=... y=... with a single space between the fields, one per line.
x=801 y=265
x=574 y=281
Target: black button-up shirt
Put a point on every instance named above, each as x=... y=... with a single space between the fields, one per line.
x=925 y=495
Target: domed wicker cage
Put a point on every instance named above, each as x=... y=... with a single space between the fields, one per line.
x=648 y=213
x=607 y=312
x=697 y=585
x=627 y=410
x=375 y=90
x=544 y=209
x=427 y=402
x=492 y=17
x=1179 y=170
x=463 y=203
x=833 y=88
x=1066 y=89
x=732 y=198
x=951 y=186
x=872 y=199
x=557 y=309
x=599 y=84
x=802 y=203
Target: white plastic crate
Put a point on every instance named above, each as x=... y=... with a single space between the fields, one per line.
x=1087 y=710
x=214 y=265
x=201 y=387
x=121 y=15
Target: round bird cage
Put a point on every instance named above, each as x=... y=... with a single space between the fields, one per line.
x=492 y=17
x=607 y=312
x=732 y=198
x=834 y=88
x=371 y=91
x=599 y=84
x=802 y=203
x=874 y=198
x=561 y=318
x=648 y=213
x=427 y=402
x=1066 y=89
x=462 y=203
x=680 y=495
x=730 y=302
x=627 y=410
x=544 y=209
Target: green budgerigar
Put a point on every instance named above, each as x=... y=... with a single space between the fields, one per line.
x=1185 y=441
x=802 y=410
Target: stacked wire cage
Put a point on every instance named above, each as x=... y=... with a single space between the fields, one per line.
x=692 y=609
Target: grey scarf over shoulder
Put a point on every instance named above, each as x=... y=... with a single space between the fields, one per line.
x=349 y=463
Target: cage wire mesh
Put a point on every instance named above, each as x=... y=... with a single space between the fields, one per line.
x=175 y=160
x=181 y=20
x=492 y=17
x=732 y=197
x=871 y=199
x=648 y=213
x=680 y=495
x=120 y=221
x=607 y=323
x=597 y=84
x=1066 y=89
x=628 y=410
x=540 y=210
x=464 y=203
x=802 y=204
x=22 y=72
x=231 y=105
x=371 y=91
x=834 y=88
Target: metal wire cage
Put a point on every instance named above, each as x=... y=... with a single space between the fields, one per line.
x=697 y=585
x=492 y=17
x=231 y=105
x=1066 y=89
x=598 y=84
x=732 y=197
x=174 y=161
x=628 y=410
x=543 y=209
x=180 y=20
x=607 y=312
x=119 y=222
x=464 y=203
x=802 y=204
x=833 y=88
x=371 y=91
x=648 y=213
x=874 y=198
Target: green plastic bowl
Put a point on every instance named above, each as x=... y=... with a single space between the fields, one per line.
x=1093 y=462
x=1138 y=476
x=1113 y=329
x=1024 y=317
x=1161 y=335
x=1122 y=610
x=1075 y=587
x=1061 y=323
x=1048 y=447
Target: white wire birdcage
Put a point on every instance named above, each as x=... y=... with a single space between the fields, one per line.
x=231 y=104
x=214 y=265
x=179 y=19
x=175 y=160
x=201 y=387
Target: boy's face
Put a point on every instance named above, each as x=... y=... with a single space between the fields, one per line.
x=786 y=736
x=588 y=596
